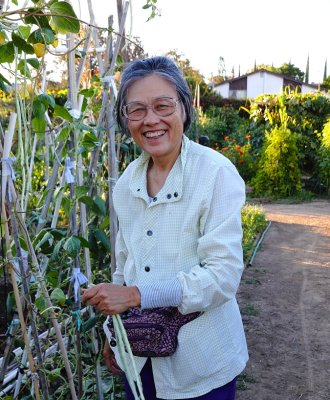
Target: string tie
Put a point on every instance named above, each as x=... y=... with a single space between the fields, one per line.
x=68 y=175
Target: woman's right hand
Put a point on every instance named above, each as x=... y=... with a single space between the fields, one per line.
x=110 y=360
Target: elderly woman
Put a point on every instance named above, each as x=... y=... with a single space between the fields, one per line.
x=179 y=242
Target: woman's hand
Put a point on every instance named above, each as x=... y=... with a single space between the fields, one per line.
x=110 y=360
x=111 y=299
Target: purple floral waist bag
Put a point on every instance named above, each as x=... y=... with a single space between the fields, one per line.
x=152 y=332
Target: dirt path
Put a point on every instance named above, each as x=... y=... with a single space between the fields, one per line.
x=285 y=301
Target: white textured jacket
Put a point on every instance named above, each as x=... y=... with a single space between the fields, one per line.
x=192 y=231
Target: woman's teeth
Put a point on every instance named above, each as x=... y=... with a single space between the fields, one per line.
x=154 y=134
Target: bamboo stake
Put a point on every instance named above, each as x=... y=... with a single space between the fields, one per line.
x=96 y=152
x=6 y=172
x=25 y=286
x=43 y=287
x=29 y=180
x=6 y=166
x=50 y=188
x=95 y=37
x=9 y=346
x=112 y=162
x=73 y=222
x=83 y=58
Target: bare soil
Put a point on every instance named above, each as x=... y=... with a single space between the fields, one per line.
x=285 y=302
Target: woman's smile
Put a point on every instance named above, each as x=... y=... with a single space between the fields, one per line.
x=159 y=136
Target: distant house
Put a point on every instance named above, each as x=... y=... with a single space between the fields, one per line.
x=260 y=82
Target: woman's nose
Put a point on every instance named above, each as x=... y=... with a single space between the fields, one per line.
x=151 y=117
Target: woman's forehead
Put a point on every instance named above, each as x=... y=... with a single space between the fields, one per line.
x=150 y=87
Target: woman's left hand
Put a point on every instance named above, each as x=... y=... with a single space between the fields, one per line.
x=111 y=299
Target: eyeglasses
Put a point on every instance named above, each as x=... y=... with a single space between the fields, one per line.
x=162 y=106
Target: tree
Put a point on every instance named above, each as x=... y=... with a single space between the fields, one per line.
x=222 y=67
x=291 y=71
x=267 y=67
x=307 y=71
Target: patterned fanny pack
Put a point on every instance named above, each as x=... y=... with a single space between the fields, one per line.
x=152 y=332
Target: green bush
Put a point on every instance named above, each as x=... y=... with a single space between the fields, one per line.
x=254 y=222
x=324 y=158
x=278 y=171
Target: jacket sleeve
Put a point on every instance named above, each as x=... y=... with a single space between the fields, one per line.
x=215 y=280
x=121 y=256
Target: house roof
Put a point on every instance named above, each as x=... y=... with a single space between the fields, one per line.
x=287 y=78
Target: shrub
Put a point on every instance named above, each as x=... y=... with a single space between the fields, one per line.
x=278 y=170
x=254 y=222
x=324 y=158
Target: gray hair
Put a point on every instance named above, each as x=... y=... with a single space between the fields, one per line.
x=163 y=67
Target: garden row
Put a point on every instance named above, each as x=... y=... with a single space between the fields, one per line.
x=279 y=143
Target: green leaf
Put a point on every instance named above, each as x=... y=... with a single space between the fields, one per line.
x=105 y=223
x=62 y=112
x=100 y=203
x=47 y=100
x=47 y=239
x=90 y=140
x=39 y=125
x=43 y=35
x=87 y=92
x=24 y=31
x=38 y=108
x=87 y=200
x=66 y=204
x=39 y=239
x=89 y=324
x=54 y=374
x=3 y=87
x=23 y=69
x=10 y=303
x=65 y=23
x=3 y=79
x=72 y=246
x=58 y=233
x=57 y=250
x=40 y=20
x=21 y=44
x=64 y=134
x=103 y=238
x=81 y=191
x=40 y=303
x=83 y=242
x=34 y=62
x=58 y=297
x=7 y=53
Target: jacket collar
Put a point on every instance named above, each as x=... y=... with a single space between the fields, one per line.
x=173 y=187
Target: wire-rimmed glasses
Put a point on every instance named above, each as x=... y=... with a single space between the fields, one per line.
x=162 y=106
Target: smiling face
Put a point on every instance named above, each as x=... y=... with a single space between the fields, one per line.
x=161 y=137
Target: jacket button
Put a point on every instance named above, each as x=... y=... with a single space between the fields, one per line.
x=176 y=194
x=149 y=233
x=147 y=269
x=169 y=196
x=154 y=199
x=113 y=343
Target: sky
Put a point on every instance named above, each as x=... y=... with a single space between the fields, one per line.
x=242 y=32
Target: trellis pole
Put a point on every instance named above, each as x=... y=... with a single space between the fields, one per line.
x=44 y=290
x=7 y=172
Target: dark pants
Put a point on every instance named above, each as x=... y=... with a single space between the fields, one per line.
x=226 y=392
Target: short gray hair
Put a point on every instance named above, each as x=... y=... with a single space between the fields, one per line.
x=166 y=69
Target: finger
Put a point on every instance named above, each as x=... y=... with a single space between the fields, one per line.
x=112 y=365
x=88 y=294
x=115 y=369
